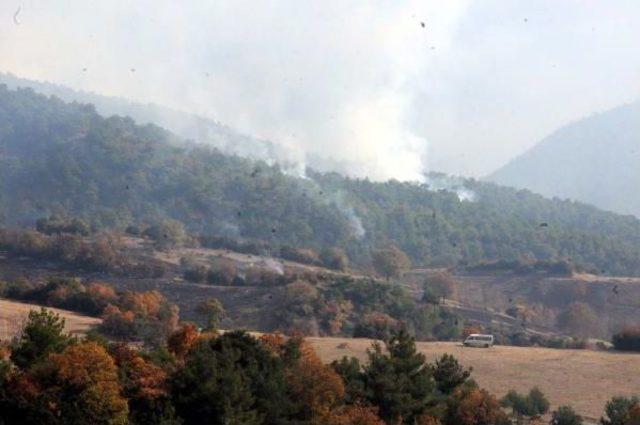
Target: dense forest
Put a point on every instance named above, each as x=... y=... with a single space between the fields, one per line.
x=65 y=159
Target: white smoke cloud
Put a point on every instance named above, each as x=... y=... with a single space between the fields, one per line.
x=331 y=79
x=437 y=181
x=339 y=200
x=360 y=81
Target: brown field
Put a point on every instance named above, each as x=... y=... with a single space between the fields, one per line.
x=584 y=379
x=13 y=314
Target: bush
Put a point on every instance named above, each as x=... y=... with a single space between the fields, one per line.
x=532 y=404
x=196 y=274
x=619 y=410
x=300 y=255
x=222 y=272
x=440 y=285
x=565 y=415
x=56 y=225
x=627 y=339
x=376 y=326
x=167 y=234
x=335 y=258
x=390 y=262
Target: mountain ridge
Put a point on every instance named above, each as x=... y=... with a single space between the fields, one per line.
x=594 y=160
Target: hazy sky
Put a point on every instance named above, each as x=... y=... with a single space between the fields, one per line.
x=363 y=81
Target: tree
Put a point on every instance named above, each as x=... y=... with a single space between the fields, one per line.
x=231 y=380
x=358 y=414
x=470 y=405
x=144 y=385
x=316 y=387
x=579 y=319
x=390 y=262
x=439 y=286
x=532 y=404
x=399 y=380
x=627 y=339
x=449 y=374
x=182 y=340
x=213 y=312
x=350 y=371
x=565 y=415
x=81 y=385
x=167 y=234
x=222 y=272
x=618 y=410
x=376 y=325
x=42 y=335
x=335 y=258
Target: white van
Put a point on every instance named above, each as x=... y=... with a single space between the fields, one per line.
x=478 y=340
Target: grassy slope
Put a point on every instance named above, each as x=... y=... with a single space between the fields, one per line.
x=13 y=314
x=584 y=379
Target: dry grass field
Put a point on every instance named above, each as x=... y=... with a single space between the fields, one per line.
x=13 y=314
x=584 y=379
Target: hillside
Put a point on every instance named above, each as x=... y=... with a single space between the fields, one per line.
x=65 y=159
x=584 y=379
x=186 y=126
x=594 y=160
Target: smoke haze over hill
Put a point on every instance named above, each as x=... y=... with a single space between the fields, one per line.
x=365 y=82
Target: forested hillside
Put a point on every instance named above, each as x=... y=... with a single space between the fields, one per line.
x=65 y=159
x=594 y=160
x=185 y=125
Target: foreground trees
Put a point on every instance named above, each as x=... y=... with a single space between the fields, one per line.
x=41 y=336
x=234 y=378
x=231 y=379
x=621 y=411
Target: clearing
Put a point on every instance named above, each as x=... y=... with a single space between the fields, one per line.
x=584 y=379
x=13 y=314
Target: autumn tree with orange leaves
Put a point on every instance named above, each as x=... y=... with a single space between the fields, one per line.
x=81 y=385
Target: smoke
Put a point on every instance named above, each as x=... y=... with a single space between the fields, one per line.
x=273 y=265
x=327 y=80
x=355 y=223
x=437 y=181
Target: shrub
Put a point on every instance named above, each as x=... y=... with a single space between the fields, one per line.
x=222 y=272
x=565 y=415
x=390 y=262
x=532 y=404
x=300 y=255
x=335 y=258
x=619 y=410
x=196 y=274
x=449 y=374
x=627 y=339
x=440 y=285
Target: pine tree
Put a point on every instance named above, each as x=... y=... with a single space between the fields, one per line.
x=399 y=380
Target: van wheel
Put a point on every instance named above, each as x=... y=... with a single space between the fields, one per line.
x=486 y=346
